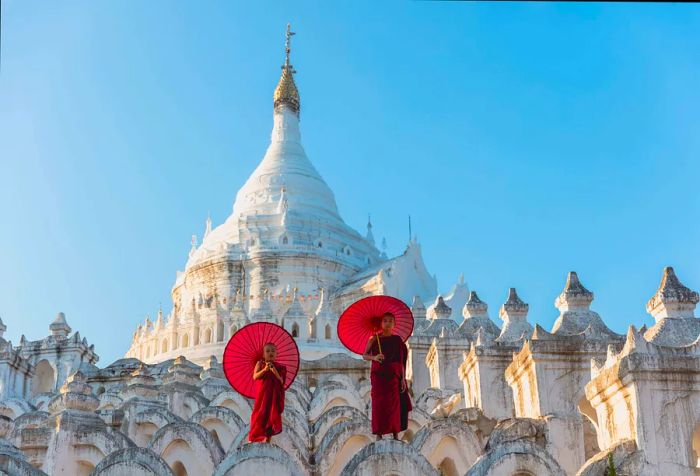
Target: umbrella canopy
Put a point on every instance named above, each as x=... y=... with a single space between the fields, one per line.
x=363 y=318
x=245 y=349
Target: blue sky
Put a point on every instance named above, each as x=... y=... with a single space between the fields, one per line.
x=525 y=140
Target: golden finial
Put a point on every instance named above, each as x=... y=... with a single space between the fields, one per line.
x=286 y=91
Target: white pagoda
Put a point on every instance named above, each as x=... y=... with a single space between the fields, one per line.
x=284 y=255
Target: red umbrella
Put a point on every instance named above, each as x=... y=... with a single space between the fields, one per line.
x=245 y=349
x=363 y=319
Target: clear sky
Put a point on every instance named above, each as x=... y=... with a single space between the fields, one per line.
x=525 y=140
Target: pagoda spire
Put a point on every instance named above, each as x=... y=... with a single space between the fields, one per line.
x=286 y=92
x=288 y=45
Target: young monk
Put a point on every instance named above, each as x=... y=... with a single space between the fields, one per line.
x=390 y=400
x=269 y=376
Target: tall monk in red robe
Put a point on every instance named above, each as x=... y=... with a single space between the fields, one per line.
x=269 y=376
x=390 y=400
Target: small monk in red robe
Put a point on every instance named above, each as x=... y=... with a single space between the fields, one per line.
x=269 y=376
x=390 y=400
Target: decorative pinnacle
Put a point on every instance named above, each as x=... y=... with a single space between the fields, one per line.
x=417 y=303
x=671 y=289
x=574 y=295
x=441 y=309
x=514 y=306
x=418 y=308
x=514 y=300
x=474 y=298
x=194 y=244
x=672 y=299
x=59 y=327
x=207 y=225
x=287 y=44
x=369 y=236
x=474 y=307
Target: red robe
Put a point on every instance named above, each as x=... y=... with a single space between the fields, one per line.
x=390 y=406
x=266 y=419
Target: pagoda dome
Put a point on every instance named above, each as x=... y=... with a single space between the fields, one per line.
x=284 y=212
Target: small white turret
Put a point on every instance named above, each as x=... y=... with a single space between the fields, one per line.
x=475 y=308
x=672 y=298
x=59 y=327
x=513 y=312
x=574 y=296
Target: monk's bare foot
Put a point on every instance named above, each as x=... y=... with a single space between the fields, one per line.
x=267 y=440
x=379 y=437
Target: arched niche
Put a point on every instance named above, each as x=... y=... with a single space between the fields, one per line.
x=44 y=379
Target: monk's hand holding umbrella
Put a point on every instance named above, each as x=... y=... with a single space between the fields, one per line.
x=274 y=371
x=376 y=327
x=375 y=357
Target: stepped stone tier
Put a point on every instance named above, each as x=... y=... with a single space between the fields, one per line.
x=539 y=402
x=515 y=400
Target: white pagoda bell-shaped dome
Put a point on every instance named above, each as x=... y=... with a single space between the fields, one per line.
x=286 y=206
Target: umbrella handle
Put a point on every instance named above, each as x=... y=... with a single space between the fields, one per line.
x=379 y=343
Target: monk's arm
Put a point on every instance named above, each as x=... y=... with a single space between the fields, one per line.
x=367 y=355
x=260 y=369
